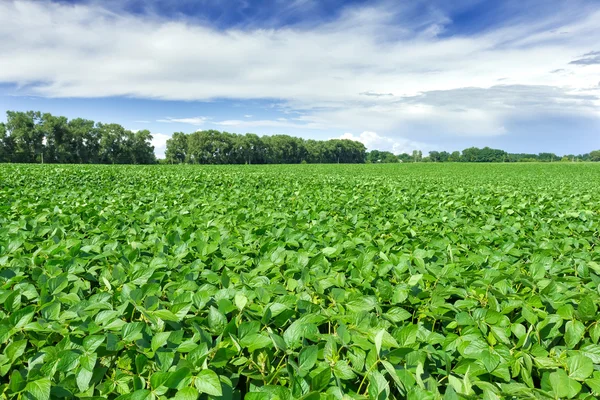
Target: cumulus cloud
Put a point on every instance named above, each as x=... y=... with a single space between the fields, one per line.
x=373 y=141
x=372 y=68
x=159 y=141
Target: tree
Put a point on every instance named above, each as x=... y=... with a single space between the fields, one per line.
x=27 y=139
x=474 y=154
x=85 y=140
x=548 y=157
x=253 y=149
x=142 y=149
x=177 y=148
x=454 y=157
x=58 y=144
x=405 y=157
x=112 y=148
x=417 y=155
x=594 y=155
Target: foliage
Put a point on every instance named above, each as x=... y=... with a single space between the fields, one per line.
x=484 y=155
x=214 y=147
x=33 y=137
x=289 y=282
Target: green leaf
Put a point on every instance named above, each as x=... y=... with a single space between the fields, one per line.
x=574 y=331
x=256 y=341
x=307 y=359
x=91 y=343
x=159 y=340
x=83 y=379
x=594 y=383
x=132 y=331
x=329 y=251
x=240 y=301
x=22 y=317
x=38 y=390
x=142 y=394
x=208 y=382
x=175 y=378
x=379 y=341
x=186 y=394
x=563 y=386
x=17 y=382
x=587 y=308
x=216 y=320
x=490 y=360
x=342 y=370
x=580 y=367
x=166 y=315
x=15 y=350
x=377 y=385
x=320 y=379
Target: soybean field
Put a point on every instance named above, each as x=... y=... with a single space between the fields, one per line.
x=420 y=281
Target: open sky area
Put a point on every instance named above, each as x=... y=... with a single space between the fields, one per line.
x=523 y=76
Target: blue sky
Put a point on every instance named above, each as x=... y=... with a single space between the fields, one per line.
x=397 y=75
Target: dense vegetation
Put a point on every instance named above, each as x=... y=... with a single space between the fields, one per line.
x=306 y=281
x=33 y=137
x=214 y=147
x=474 y=154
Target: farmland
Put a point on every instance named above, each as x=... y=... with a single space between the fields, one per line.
x=420 y=281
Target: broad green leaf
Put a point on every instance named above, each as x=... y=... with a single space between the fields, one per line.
x=38 y=389
x=574 y=331
x=307 y=359
x=186 y=394
x=580 y=367
x=563 y=386
x=208 y=382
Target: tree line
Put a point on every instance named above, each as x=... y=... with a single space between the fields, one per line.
x=474 y=154
x=214 y=147
x=33 y=137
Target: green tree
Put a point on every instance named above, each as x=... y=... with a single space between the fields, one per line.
x=177 y=148
x=405 y=157
x=112 y=149
x=26 y=137
x=58 y=144
x=417 y=155
x=594 y=155
x=143 y=150
x=548 y=157
x=85 y=140
x=454 y=157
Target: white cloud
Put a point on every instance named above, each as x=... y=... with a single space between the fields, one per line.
x=159 y=141
x=191 y=121
x=248 y=116
x=373 y=141
x=267 y=123
x=373 y=68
